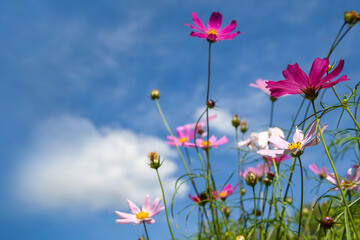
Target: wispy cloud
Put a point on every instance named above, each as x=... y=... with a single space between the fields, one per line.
x=72 y=163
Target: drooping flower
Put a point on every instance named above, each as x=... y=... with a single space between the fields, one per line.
x=296 y=148
x=212 y=143
x=297 y=82
x=137 y=215
x=261 y=84
x=352 y=181
x=185 y=134
x=277 y=159
x=201 y=199
x=322 y=173
x=260 y=170
x=213 y=33
x=225 y=192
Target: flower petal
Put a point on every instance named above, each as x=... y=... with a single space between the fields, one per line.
x=146 y=203
x=271 y=153
x=133 y=208
x=330 y=84
x=279 y=142
x=298 y=135
x=198 y=22
x=294 y=74
x=228 y=36
x=318 y=69
x=333 y=74
x=215 y=21
x=199 y=35
x=314 y=168
x=228 y=29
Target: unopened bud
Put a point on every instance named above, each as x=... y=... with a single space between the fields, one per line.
x=155 y=94
x=141 y=238
x=267 y=181
x=243 y=126
x=251 y=179
x=305 y=212
x=289 y=200
x=235 y=121
x=257 y=212
x=154 y=159
x=240 y=237
x=243 y=191
x=210 y=104
x=227 y=211
x=330 y=68
x=270 y=175
x=327 y=222
x=351 y=17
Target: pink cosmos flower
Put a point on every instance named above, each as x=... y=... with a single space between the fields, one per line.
x=226 y=191
x=322 y=173
x=201 y=199
x=261 y=84
x=213 y=33
x=296 y=147
x=200 y=128
x=138 y=216
x=212 y=143
x=297 y=82
x=185 y=134
x=260 y=170
x=351 y=182
x=277 y=159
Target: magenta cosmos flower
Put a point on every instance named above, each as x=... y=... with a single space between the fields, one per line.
x=185 y=134
x=260 y=170
x=138 y=216
x=322 y=173
x=296 y=148
x=225 y=192
x=261 y=84
x=277 y=159
x=213 y=33
x=352 y=181
x=297 y=82
x=212 y=143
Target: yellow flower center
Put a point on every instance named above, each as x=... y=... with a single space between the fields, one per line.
x=184 y=139
x=212 y=31
x=294 y=145
x=142 y=215
x=222 y=194
x=348 y=184
x=206 y=144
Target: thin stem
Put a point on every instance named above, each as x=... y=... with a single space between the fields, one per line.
x=271 y=113
x=302 y=197
x=253 y=188
x=262 y=213
x=335 y=173
x=166 y=212
x=146 y=233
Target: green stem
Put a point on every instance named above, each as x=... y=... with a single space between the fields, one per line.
x=253 y=188
x=166 y=212
x=335 y=173
x=262 y=212
x=146 y=233
x=302 y=197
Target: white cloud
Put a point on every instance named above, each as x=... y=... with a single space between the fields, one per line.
x=74 y=164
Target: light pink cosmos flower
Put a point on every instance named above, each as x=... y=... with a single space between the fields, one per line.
x=296 y=147
x=352 y=181
x=138 y=216
x=260 y=170
x=225 y=192
x=261 y=84
x=213 y=33
x=322 y=173
x=297 y=82
x=185 y=134
x=212 y=143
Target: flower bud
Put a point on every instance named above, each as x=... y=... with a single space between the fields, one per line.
x=243 y=126
x=251 y=179
x=257 y=212
x=210 y=104
x=267 y=181
x=155 y=94
x=270 y=175
x=240 y=237
x=154 y=159
x=327 y=222
x=330 y=68
x=272 y=98
x=305 y=212
x=351 y=17
x=141 y=238
x=289 y=200
x=227 y=211
x=243 y=191
x=235 y=121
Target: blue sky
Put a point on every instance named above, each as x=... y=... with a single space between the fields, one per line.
x=77 y=121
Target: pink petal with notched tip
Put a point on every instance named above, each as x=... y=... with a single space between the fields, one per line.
x=228 y=36
x=333 y=74
x=330 y=84
x=133 y=208
x=215 y=21
x=294 y=74
x=298 y=135
x=278 y=142
x=146 y=203
x=228 y=29
x=200 y=35
x=124 y=221
x=318 y=69
x=222 y=140
x=198 y=22
x=271 y=153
